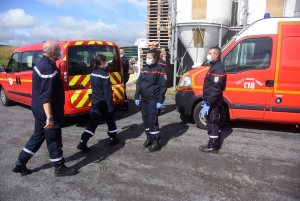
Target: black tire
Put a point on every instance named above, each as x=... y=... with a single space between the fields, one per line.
x=4 y=100
x=201 y=121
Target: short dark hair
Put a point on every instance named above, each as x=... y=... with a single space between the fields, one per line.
x=98 y=59
x=217 y=50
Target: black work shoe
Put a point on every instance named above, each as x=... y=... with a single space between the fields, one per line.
x=148 y=142
x=83 y=147
x=114 y=141
x=209 y=150
x=155 y=146
x=64 y=171
x=18 y=167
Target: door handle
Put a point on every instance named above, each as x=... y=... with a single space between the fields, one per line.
x=270 y=83
x=17 y=80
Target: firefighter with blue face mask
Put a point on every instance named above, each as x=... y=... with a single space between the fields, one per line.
x=102 y=104
x=151 y=87
x=213 y=88
x=48 y=99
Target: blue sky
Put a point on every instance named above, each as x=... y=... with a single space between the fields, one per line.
x=31 y=21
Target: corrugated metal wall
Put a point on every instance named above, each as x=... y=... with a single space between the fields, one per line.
x=130 y=51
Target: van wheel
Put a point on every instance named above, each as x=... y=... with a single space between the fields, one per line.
x=5 y=101
x=201 y=121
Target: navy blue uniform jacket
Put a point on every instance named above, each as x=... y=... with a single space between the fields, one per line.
x=214 y=83
x=151 y=84
x=101 y=88
x=125 y=66
x=47 y=87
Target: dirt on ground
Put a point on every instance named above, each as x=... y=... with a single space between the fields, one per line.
x=257 y=161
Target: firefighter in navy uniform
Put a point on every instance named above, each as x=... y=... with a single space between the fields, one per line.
x=102 y=104
x=48 y=99
x=151 y=86
x=125 y=62
x=214 y=86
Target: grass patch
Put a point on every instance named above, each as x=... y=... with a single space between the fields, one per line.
x=5 y=54
x=171 y=91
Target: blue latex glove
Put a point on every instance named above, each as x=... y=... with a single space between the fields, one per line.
x=159 y=105
x=137 y=102
x=205 y=109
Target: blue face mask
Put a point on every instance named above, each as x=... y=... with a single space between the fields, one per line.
x=149 y=62
x=209 y=58
x=60 y=54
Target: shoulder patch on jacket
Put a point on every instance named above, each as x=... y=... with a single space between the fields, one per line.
x=216 y=79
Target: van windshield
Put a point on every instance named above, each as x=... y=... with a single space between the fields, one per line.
x=81 y=58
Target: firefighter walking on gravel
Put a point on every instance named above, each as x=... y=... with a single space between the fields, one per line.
x=48 y=99
x=214 y=86
x=102 y=104
x=151 y=86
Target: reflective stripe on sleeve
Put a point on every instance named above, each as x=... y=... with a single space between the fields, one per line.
x=44 y=76
x=211 y=136
x=146 y=129
x=101 y=76
x=28 y=151
x=57 y=159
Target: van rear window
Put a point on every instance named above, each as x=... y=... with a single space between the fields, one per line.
x=81 y=58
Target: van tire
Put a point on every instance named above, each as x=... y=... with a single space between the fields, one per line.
x=201 y=122
x=4 y=100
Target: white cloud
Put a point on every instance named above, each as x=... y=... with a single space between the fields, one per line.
x=53 y=2
x=68 y=28
x=16 y=18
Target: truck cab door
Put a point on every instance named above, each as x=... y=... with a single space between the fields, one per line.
x=249 y=77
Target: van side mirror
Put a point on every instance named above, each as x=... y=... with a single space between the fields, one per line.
x=2 y=69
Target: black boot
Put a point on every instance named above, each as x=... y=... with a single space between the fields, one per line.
x=155 y=146
x=114 y=141
x=83 y=147
x=19 y=167
x=148 y=142
x=64 y=171
x=113 y=138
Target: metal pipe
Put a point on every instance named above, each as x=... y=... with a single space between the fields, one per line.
x=245 y=18
x=202 y=24
x=220 y=36
x=173 y=30
x=175 y=46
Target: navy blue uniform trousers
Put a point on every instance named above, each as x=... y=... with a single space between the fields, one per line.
x=150 y=118
x=95 y=114
x=212 y=125
x=53 y=141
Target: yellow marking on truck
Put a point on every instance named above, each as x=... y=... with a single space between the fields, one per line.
x=75 y=96
x=110 y=43
x=79 y=43
x=100 y=42
x=74 y=80
x=91 y=42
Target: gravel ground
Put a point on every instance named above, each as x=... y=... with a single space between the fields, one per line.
x=257 y=161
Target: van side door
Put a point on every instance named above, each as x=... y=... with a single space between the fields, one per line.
x=285 y=104
x=248 y=65
x=10 y=86
x=24 y=77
